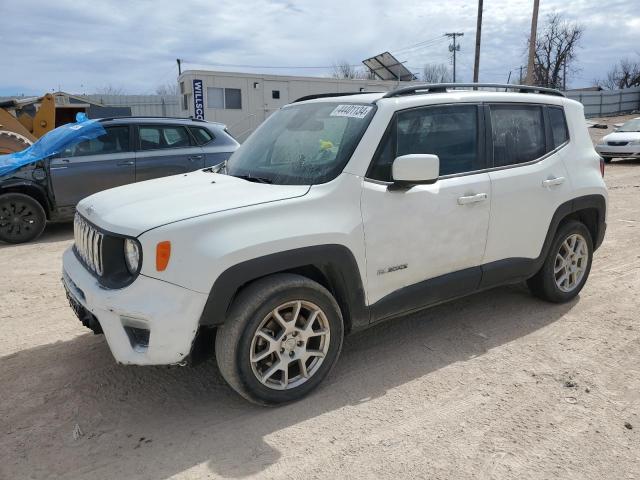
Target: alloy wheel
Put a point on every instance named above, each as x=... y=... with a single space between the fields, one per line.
x=290 y=345
x=571 y=262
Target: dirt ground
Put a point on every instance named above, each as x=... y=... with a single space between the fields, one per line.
x=497 y=385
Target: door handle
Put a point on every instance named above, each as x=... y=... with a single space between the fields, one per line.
x=480 y=197
x=193 y=158
x=552 y=182
x=61 y=167
x=125 y=163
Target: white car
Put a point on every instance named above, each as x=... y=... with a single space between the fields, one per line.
x=624 y=142
x=337 y=213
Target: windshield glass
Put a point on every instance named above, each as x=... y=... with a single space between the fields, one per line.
x=302 y=144
x=631 y=126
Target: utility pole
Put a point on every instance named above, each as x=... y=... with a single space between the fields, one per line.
x=564 y=75
x=532 y=42
x=520 y=80
x=454 y=48
x=476 y=63
x=179 y=66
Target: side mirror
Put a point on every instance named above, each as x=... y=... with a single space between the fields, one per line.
x=415 y=169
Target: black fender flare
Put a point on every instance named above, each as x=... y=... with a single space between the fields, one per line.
x=13 y=184
x=337 y=266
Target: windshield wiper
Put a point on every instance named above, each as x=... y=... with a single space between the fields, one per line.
x=250 y=178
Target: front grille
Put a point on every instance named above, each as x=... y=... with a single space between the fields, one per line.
x=88 y=244
x=617 y=144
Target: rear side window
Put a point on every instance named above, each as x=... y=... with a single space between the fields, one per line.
x=155 y=137
x=518 y=134
x=115 y=140
x=202 y=135
x=451 y=132
x=558 y=124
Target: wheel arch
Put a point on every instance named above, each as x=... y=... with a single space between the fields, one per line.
x=28 y=188
x=332 y=266
x=588 y=209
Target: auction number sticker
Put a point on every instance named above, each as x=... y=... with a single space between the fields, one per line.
x=351 y=111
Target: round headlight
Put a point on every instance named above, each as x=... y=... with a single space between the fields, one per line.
x=132 y=255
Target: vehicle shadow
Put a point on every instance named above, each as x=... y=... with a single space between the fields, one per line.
x=53 y=232
x=155 y=422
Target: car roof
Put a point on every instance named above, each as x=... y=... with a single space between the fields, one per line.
x=443 y=94
x=163 y=120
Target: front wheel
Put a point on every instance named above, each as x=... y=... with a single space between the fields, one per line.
x=567 y=266
x=22 y=218
x=282 y=337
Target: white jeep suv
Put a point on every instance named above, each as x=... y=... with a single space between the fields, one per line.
x=337 y=213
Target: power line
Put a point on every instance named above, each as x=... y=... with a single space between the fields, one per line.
x=426 y=43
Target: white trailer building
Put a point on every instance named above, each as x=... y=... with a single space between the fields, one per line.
x=243 y=100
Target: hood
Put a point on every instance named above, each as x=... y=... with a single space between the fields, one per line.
x=138 y=207
x=621 y=137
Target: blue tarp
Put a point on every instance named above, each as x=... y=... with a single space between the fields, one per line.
x=53 y=142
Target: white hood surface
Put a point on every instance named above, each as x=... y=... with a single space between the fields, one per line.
x=138 y=207
x=621 y=137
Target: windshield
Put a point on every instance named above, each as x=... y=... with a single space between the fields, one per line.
x=302 y=144
x=631 y=126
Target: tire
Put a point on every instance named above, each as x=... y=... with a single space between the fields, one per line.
x=564 y=272
x=22 y=218
x=11 y=142
x=607 y=159
x=250 y=362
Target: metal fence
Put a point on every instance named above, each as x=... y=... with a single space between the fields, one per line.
x=141 y=105
x=608 y=102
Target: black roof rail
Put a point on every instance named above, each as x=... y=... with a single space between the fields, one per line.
x=327 y=95
x=124 y=117
x=443 y=87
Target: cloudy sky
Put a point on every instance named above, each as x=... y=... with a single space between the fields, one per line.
x=51 y=45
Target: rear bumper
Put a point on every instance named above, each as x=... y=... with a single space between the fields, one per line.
x=150 y=322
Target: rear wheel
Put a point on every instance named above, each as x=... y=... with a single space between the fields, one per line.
x=22 y=218
x=281 y=338
x=567 y=265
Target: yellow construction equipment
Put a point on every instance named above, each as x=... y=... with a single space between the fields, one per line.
x=23 y=121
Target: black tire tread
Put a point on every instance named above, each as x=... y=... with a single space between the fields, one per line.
x=542 y=284
x=250 y=299
x=39 y=211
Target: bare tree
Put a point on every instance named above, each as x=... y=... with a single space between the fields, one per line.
x=436 y=73
x=344 y=69
x=625 y=74
x=167 y=89
x=110 y=90
x=555 y=52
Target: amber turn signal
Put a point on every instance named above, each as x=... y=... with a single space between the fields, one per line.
x=163 y=253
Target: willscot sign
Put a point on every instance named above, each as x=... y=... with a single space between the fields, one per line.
x=198 y=100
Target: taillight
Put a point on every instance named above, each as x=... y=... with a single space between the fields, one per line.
x=602 y=167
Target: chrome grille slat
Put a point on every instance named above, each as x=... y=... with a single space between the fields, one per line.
x=88 y=244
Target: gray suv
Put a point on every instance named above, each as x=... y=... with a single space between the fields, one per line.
x=132 y=149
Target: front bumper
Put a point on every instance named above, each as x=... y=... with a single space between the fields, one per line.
x=626 y=151
x=169 y=315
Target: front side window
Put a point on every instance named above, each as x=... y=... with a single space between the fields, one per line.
x=154 y=137
x=518 y=134
x=303 y=144
x=559 y=131
x=450 y=131
x=115 y=140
